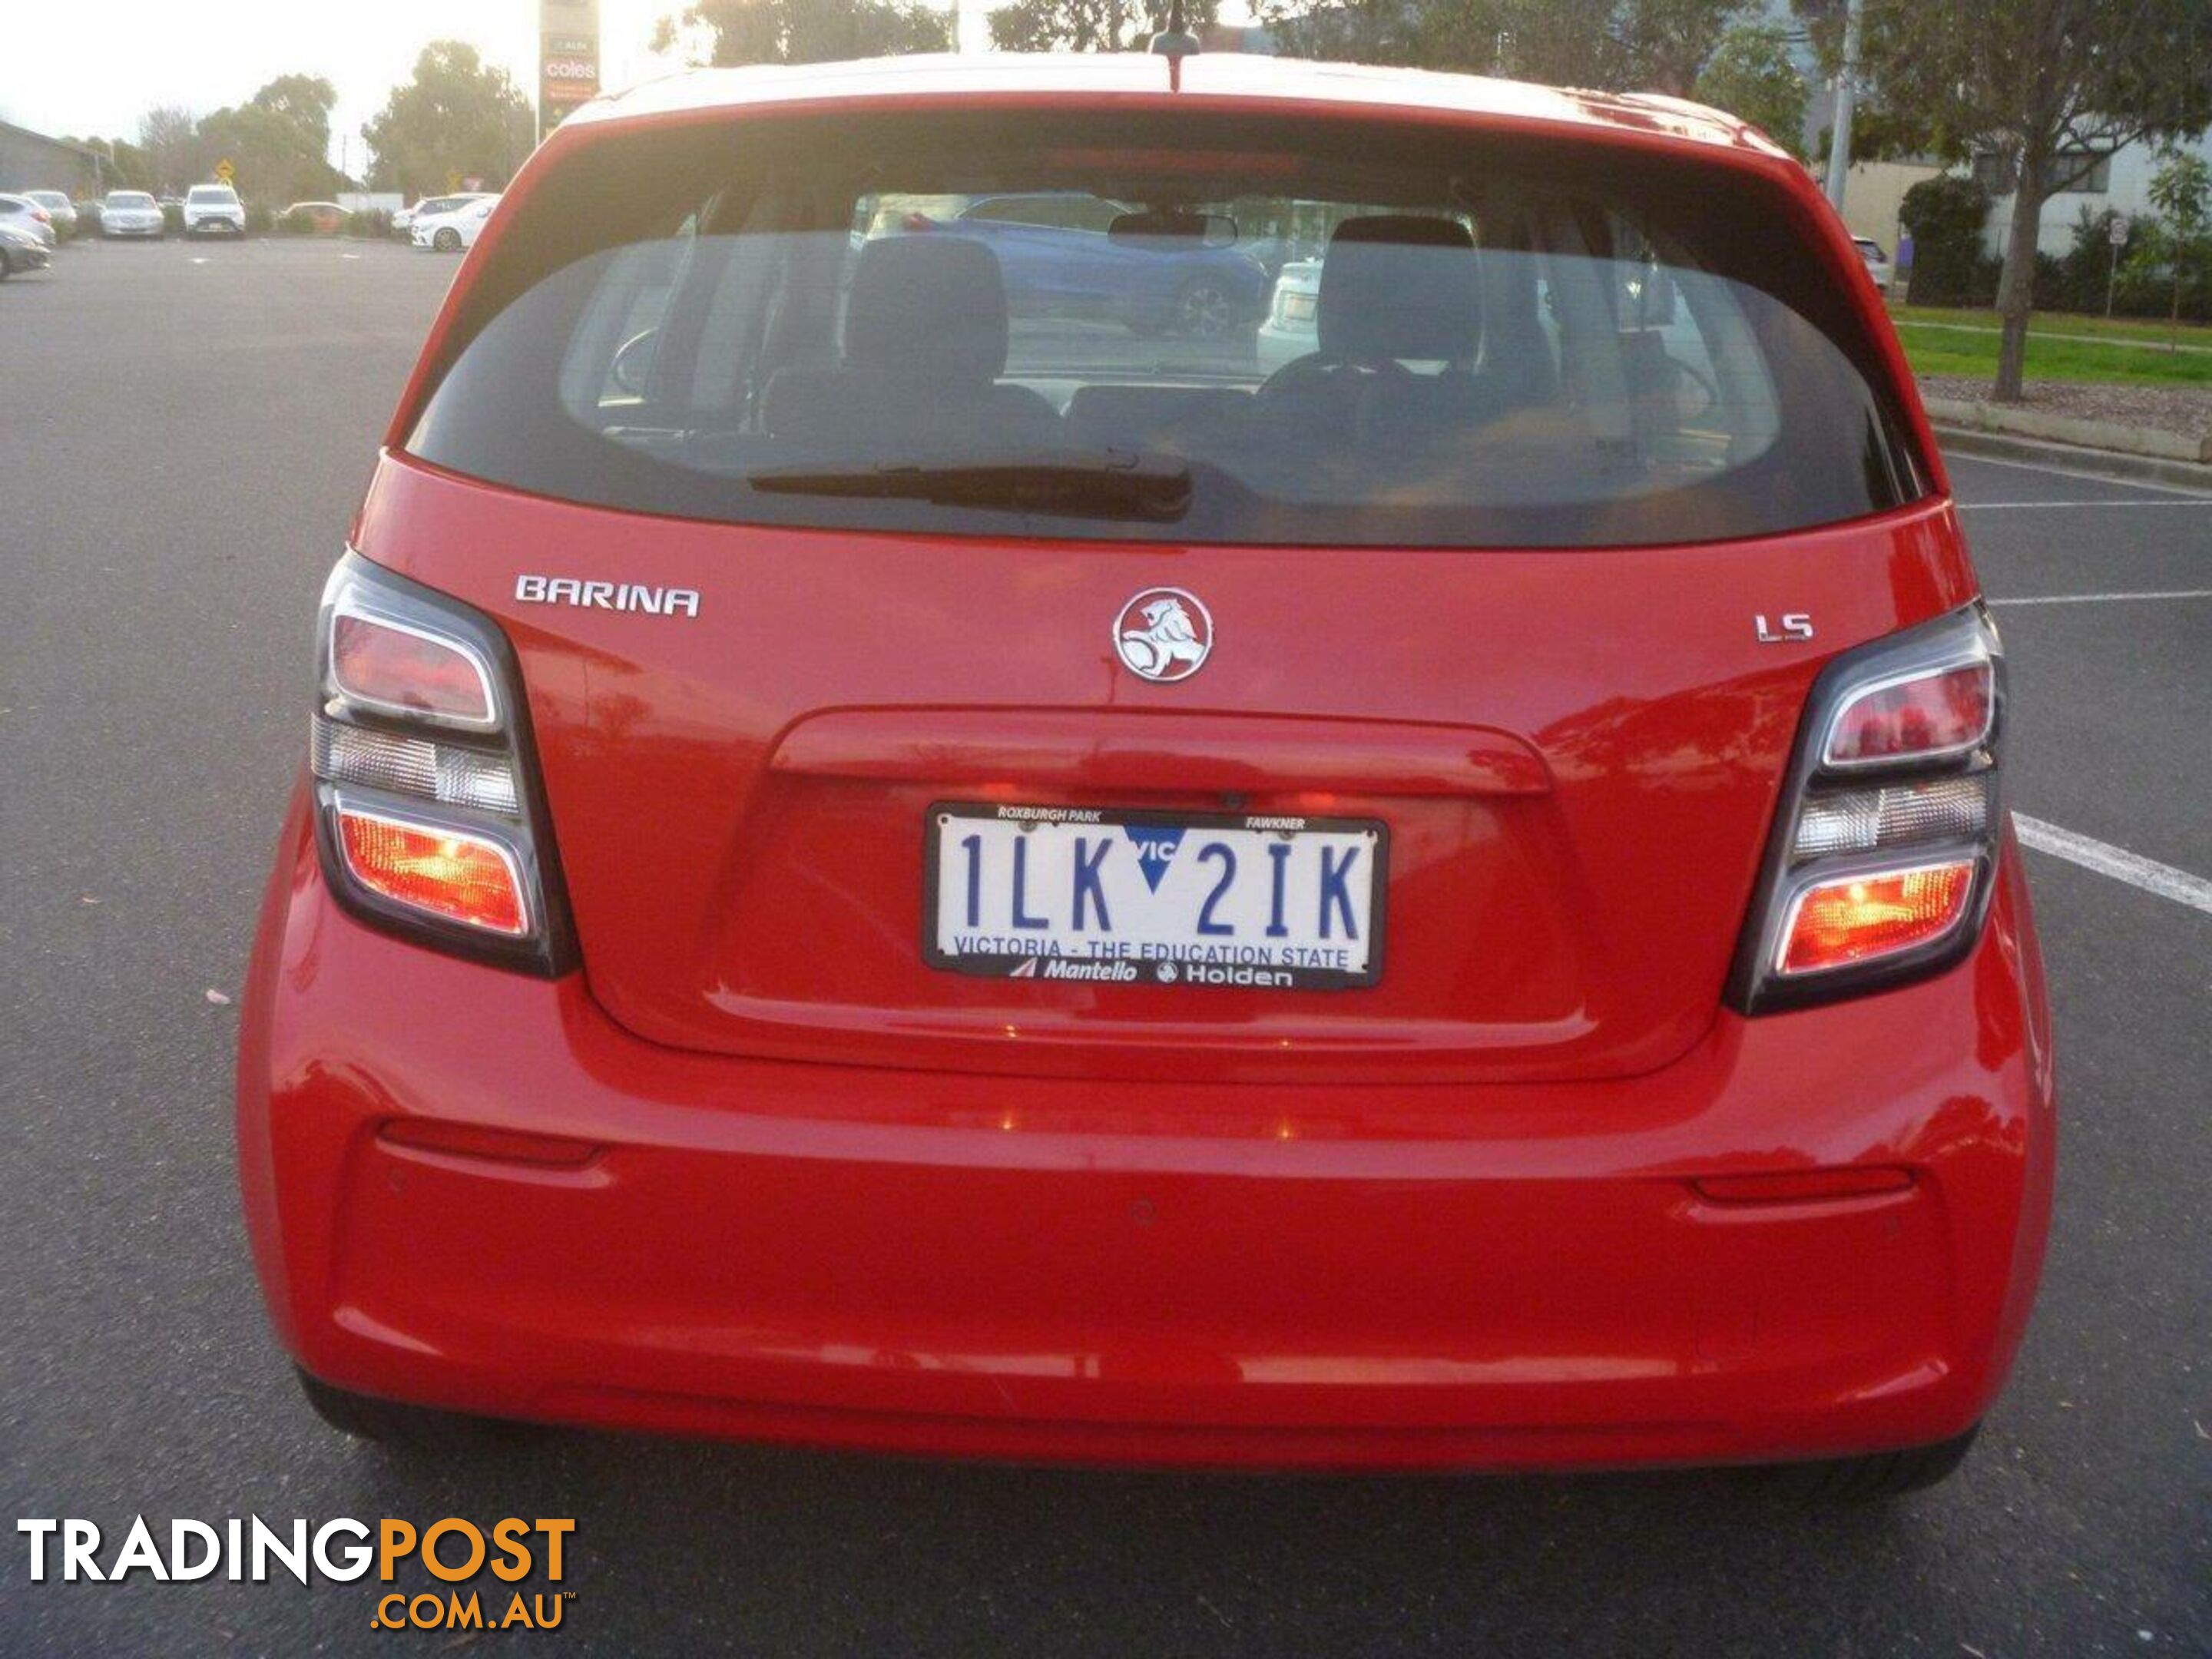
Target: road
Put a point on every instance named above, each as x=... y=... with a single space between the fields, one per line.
x=185 y=432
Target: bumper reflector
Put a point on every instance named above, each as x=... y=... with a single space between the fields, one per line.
x=1851 y=918
x=1803 y=1186
x=447 y=872
x=499 y=1145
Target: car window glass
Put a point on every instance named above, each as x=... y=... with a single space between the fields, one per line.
x=1458 y=358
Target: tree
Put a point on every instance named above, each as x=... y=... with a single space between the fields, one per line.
x=2046 y=88
x=804 y=31
x=278 y=140
x=2181 y=191
x=456 y=117
x=169 y=140
x=1655 y=45
x=305 y=100
x=1087 y=25
x=1751 y=76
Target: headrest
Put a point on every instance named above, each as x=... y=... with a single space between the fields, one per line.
x=1400 y=285
x=927 y=308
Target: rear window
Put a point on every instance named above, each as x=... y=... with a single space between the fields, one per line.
x=1064 y=326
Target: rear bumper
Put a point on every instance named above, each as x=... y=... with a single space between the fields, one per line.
x=1448 y=1276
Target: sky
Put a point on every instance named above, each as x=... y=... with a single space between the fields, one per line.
x=92 y=67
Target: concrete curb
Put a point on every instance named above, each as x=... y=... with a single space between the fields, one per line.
x=2069 y=429
x=2071 y=457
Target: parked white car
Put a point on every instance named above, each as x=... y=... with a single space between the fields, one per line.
x=449 y=232
x=131 y=213
x=1877 y=261
x=1292 y=328
x=59 y=209
x=214 y=209
x=403 y=223
x=22 y=213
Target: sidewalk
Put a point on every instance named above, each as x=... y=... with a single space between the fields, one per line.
x=2161 y=424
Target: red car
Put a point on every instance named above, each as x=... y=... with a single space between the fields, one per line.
x=875 y=872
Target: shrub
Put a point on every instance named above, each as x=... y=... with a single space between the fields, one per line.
x=1944 y=216
x=375 y=222
x=258 y=219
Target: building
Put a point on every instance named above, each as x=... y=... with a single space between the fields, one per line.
x=2118 y=182
x=31 y=161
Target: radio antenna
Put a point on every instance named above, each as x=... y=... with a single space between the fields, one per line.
x=1175 y=44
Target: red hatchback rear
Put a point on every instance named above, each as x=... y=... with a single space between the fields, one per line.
x=1303 y=770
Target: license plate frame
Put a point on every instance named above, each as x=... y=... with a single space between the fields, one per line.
x=1229 y=964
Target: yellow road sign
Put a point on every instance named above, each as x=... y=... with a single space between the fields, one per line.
x=226 y=170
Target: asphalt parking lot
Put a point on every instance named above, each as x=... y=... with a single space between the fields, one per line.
x=185 y=431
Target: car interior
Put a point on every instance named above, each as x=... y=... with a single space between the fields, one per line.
x=1477 y=348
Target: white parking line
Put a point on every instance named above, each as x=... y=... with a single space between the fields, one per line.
x=2117 y=862
x=1972 y=460
x=2003 y=507
x=2107 y=598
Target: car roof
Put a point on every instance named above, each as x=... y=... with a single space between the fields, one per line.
x=1207 y=78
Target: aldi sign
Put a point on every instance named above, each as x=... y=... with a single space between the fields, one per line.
x=568 y=58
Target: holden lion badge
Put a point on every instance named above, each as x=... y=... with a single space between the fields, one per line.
x=1163 y=633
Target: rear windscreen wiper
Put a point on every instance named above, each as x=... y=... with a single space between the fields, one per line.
x=1094 y=482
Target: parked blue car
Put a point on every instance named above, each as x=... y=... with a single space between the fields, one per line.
x=1058 y=261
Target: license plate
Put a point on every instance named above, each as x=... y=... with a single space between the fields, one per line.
x=1264 y=902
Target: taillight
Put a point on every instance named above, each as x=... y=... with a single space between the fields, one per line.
x=1885 y=843
x=428 y=815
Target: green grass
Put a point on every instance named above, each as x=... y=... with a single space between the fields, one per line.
x=2147 y=330
x=1947 y=351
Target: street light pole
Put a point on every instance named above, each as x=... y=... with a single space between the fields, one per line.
x=1839 y=131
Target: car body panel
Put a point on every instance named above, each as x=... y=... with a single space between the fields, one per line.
x=752 y=1170
x=1605 y=946
x=1444 y=1276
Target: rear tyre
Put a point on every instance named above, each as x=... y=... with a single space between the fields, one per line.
x=418 y=1429
x=1878 y=1475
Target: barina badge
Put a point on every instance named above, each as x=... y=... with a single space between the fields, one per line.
x=1163 y=633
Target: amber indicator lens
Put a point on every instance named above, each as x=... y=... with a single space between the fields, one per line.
x=1854 y=918
x=462 y=878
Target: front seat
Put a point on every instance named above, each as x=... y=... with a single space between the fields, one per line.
x=1395 y=289
x=925 y=344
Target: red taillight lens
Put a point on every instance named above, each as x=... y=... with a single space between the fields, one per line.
x=386 y=665
x=1945 y=713
x=447 y=872
x=1854 y=918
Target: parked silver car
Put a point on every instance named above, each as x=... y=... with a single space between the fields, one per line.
x=131 y=213
x=22 y=213
x=21 y=251
x=59 y=208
